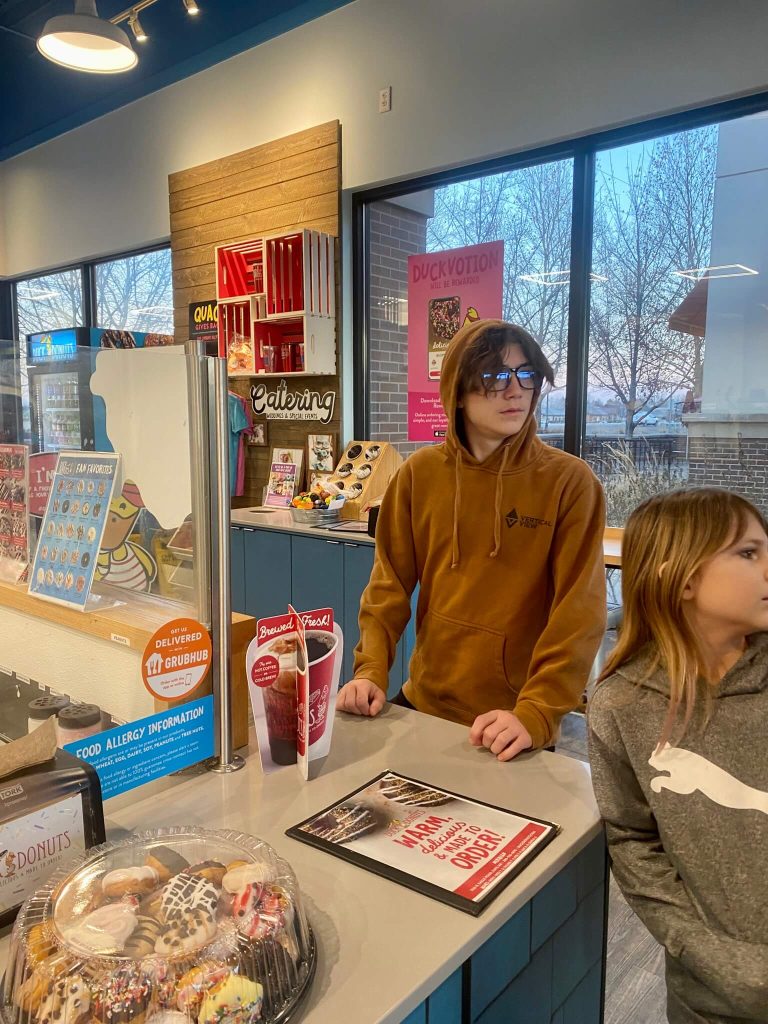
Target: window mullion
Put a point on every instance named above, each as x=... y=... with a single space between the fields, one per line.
x=578 y=300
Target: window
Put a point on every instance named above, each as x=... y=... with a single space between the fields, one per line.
x=668 y=366
x=529 y=210
x=45 y=303
x=135 y=293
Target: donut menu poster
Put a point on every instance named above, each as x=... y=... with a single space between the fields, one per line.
x=14 y=518
x=72 y=528
x=446 y=290
x=459 y=851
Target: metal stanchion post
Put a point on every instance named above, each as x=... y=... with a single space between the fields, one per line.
x=221 y=613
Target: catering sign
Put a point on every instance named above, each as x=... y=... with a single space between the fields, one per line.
x=446 y=290
x=302 y=403
x=453 y=849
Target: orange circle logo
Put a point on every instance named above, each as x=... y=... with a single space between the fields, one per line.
x=176 y=659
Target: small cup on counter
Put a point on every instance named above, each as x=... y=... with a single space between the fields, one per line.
x=41 y=709
x=77 y=722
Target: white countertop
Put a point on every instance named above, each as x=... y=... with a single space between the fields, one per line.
x=382 y=948
x=281 y=520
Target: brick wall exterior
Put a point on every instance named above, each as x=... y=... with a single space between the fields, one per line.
x=395 y=234
x=741 y=464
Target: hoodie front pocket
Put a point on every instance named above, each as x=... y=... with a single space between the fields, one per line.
x=459 y=664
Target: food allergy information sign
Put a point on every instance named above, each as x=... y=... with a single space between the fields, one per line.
x=130 y=755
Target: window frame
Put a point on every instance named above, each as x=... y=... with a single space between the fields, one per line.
x=9 y=320
x=583 y=152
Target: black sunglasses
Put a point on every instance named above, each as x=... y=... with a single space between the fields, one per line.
x=529 y=380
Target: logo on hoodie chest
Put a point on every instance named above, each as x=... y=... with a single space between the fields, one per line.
x=513 y=518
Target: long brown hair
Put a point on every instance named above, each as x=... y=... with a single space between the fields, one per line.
x=666 y=540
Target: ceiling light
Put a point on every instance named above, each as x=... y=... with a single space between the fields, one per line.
x=550 y=278
x=86 y=42
x=38 y=296
x=191 y=6
x=135 y=25
x=711 y=273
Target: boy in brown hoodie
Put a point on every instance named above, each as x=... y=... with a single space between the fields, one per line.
x=504 y=534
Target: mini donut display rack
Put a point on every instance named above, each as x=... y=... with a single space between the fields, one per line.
x=363 y=472
x=276 y=299
x=176 y=926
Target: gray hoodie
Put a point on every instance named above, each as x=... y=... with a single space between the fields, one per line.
x=687 y=830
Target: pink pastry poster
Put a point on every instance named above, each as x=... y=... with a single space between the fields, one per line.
x=445 y=291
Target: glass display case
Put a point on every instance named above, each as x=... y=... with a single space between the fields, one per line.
x=105 y=545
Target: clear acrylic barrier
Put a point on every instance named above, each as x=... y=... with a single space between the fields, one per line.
x=135 y=541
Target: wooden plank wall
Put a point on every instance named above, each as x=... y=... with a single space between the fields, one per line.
x=283 y=185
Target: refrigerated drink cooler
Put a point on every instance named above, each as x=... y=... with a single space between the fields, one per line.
x=64 y=414
x=59 y=369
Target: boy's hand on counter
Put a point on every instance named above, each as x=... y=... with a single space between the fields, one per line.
x=360 y=697
x=502 y=733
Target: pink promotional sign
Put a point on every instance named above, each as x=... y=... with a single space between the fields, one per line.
x=445 y=291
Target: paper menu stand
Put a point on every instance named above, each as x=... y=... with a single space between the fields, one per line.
x=72 y=529
x=14 y=511
x=293 y=666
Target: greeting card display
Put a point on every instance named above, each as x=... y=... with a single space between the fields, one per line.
x=284 y=476
x=14 y=511
x=73 y=526
x=293 y=666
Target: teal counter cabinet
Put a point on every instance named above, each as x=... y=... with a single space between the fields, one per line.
x=273 y=568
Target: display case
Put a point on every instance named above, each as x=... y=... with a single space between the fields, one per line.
x=108 y=603
x=186 y=925
x=277 y=312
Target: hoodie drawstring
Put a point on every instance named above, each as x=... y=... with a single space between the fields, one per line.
x=497 y=505
x=497 y=513
x=455 y=553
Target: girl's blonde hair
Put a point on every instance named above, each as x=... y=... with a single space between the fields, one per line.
x=666 y=541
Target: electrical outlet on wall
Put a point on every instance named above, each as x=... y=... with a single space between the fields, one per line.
x=385 y=100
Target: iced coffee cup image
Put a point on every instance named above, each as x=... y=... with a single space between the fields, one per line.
x=322 y=648
x=281 y=700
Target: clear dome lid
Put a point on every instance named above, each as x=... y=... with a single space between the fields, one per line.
x=176 y=926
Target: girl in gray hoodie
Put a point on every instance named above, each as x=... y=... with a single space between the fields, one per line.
x=678 y=727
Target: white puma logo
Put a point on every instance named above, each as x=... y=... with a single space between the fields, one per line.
x=689 y=772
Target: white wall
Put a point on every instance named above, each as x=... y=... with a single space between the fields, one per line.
x=470 y=80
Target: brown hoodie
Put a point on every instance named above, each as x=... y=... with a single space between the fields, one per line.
x=509 y=558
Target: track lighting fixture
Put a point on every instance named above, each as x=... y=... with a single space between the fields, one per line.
x=135 y=25
x=86 y=42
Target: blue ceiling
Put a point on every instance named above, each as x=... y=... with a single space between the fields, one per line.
x=39 y=100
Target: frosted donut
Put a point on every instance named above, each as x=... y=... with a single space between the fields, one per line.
x=122 y=997
x=236 y=998
x=196 y=982
x=135 y=881
x=259 y=914
x=104 y=930
x=188 y=892
x=191 y=930
x=237 y=878
x=68 y=1001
